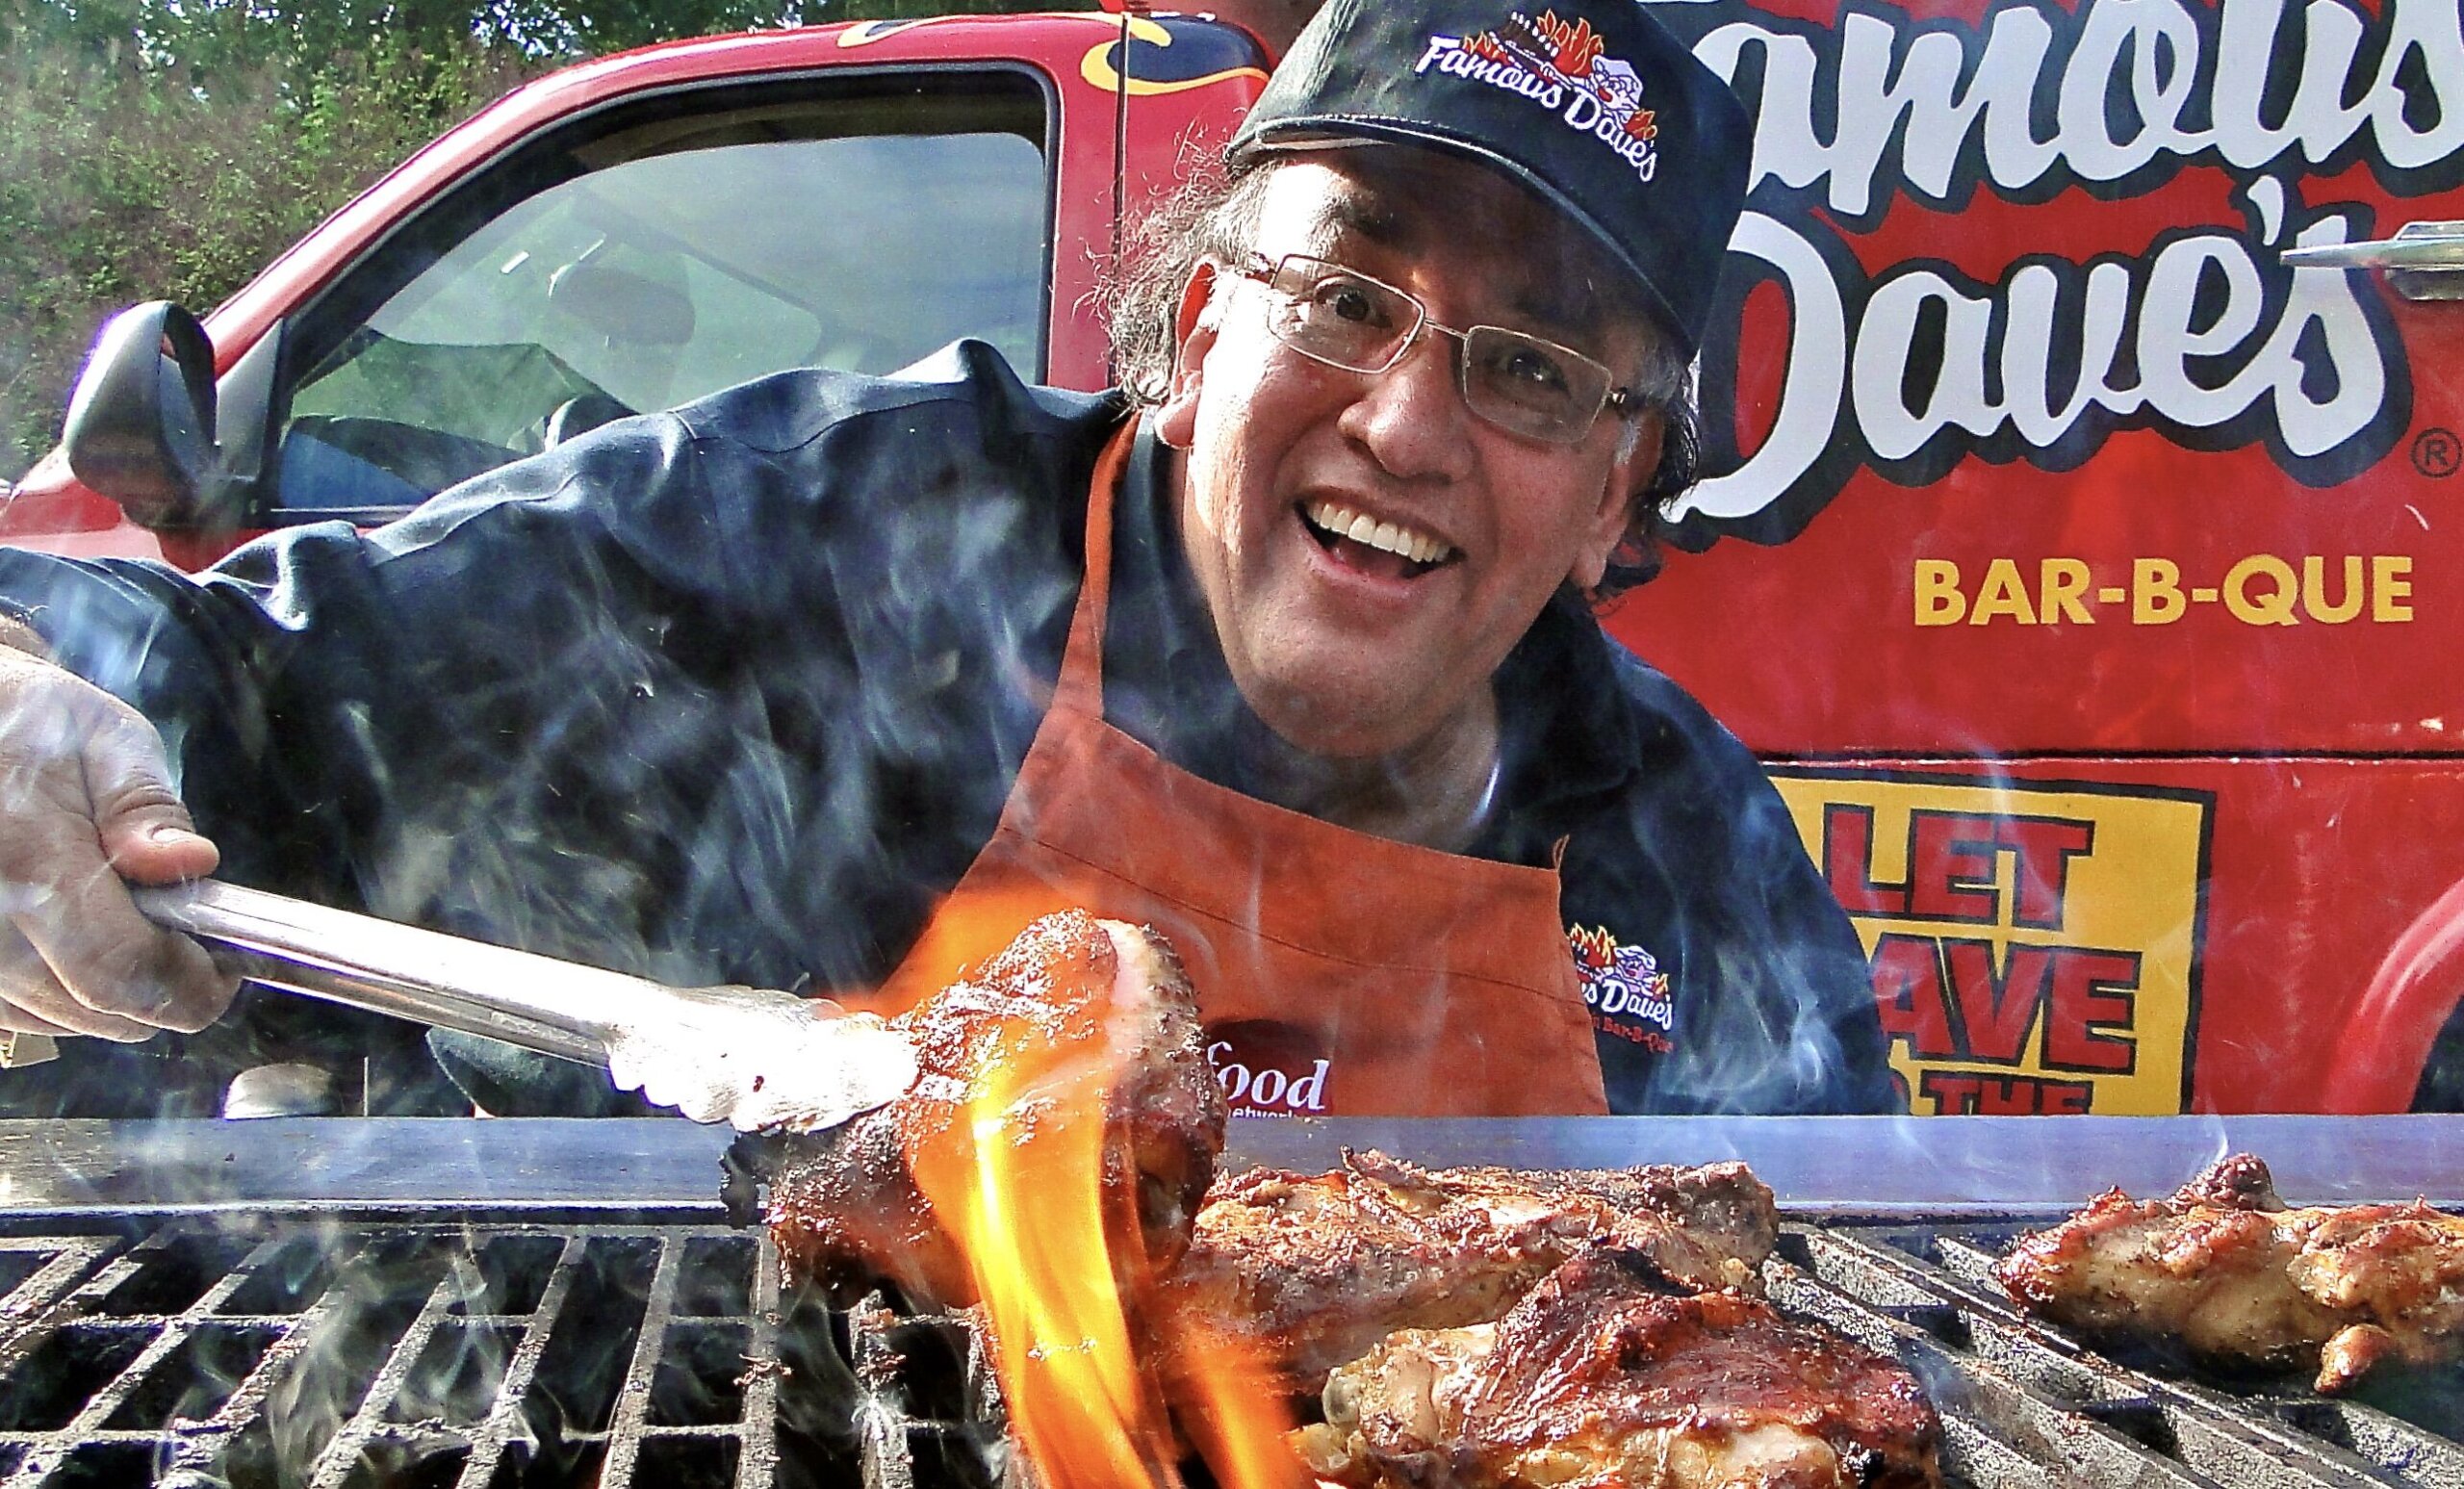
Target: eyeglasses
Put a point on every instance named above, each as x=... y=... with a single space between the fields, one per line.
x=1513 y=379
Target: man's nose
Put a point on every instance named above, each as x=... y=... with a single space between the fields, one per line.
x=1411 y=416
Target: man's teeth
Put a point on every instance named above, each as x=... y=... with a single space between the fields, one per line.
x=1344 y=523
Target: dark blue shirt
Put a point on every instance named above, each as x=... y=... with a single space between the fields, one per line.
x=736 y=693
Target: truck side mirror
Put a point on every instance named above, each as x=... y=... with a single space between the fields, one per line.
x=141 y=423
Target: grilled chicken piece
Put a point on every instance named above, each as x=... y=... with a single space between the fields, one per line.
x=844 y=1207
x=1600 y=1380
x=1308 y=1271
x=2225 y=1269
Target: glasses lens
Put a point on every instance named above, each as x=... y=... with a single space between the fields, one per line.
x=1535 y=388
x=1532 y=386
x=1340 y=317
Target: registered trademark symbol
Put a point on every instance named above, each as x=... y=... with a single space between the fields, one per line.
x=2437 y=453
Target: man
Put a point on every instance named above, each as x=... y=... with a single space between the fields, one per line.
x=831 y=682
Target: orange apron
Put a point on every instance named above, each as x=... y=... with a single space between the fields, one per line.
x=1337 y=973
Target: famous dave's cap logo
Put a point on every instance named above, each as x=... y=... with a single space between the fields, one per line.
x=1593 y=105
x=1559 y=67
x=1623 y=985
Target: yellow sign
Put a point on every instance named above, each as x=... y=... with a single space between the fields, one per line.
x=2034 y=947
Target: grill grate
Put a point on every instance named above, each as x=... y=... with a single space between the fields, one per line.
x=1996 y=1372
x=340 y=1355
x=517 y=1352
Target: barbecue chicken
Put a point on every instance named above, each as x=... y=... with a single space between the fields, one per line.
x=1308 y=1271
x=844 y=1206
x=1600 y=1380
x=2225 y=1269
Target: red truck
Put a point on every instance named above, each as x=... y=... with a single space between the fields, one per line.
x=2079 y=562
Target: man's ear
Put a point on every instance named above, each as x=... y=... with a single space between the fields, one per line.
x=1638 y=462
x=1193 y=328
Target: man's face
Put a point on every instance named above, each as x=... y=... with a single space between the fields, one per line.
x=1344 y=648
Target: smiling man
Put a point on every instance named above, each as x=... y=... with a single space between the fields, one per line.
x=832 y=683
x=1377 y=521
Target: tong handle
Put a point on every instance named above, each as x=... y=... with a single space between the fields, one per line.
x=556 y=1008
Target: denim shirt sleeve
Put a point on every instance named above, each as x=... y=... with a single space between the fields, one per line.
x=716 y=695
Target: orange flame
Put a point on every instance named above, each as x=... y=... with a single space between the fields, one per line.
x=1081 y=1344
x=1575 y=45
x=1238 y=1422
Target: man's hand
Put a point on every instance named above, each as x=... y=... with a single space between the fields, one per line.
x=85 y=803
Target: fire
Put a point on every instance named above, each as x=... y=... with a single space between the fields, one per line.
x=1593 y=946
x=1082 y=1346
x=1574 y=45
x=1235 y=1418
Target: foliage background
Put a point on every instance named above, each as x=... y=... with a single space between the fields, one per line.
x=167 y=149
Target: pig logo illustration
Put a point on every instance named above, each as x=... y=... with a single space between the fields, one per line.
x=1621 y=980
x=1621 y=92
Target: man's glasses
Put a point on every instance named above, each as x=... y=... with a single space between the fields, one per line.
x=1514 y=380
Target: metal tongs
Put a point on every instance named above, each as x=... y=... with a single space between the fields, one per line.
x=759 y=1059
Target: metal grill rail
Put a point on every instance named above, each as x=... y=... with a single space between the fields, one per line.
x=2021 y=1402
x=509 y=1353
x=340 y=1355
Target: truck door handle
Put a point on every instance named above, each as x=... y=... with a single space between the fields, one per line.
x=2425 y=260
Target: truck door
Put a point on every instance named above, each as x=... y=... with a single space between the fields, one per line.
x=2089 y=571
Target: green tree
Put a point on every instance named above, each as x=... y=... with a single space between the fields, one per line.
x=169 y=148
x=203 y=38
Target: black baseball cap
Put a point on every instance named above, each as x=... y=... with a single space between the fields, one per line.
x=1591 y=103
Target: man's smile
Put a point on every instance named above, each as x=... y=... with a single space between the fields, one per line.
x=1382 y=548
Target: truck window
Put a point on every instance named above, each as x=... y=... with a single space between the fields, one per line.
x=663 y=260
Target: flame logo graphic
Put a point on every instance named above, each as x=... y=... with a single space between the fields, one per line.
x=1593 y=948
x=1573 y=48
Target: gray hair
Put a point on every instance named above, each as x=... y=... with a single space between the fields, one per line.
x=1215 y=218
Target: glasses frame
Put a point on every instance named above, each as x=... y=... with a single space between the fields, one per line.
x=1624 y=401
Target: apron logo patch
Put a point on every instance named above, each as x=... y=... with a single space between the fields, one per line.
x=1622 y=986
x=1559 y=67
